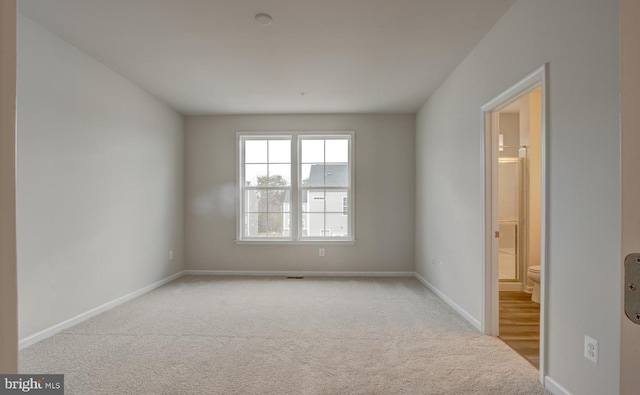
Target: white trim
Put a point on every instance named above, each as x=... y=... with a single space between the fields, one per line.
x=490 y=283
x=538 y=78
x=554 y=387
x=327 y=241
x=273 y=273
x=472 y=320
x=544 y=253
x=29 y=340
x=520 y=88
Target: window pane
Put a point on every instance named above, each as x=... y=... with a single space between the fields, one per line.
x=286 y=224
x=256 y=224
x=279 y=175
x=304 y=175
x=337 y=151
x=315 y=199
x=318 y=175
x=276 y=200
x=255 y=201
x=336 y=175
x=279 y=151
x=337 y=225
x=276 y=225
x=312 y=151
x=335 y=201
x=315 y=224
x=255 y=175
x=255 y=151
x=312 y=175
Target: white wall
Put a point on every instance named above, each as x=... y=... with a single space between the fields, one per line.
x=8 y=279
x=100 y=175
x=384 y=193
x=579 y=39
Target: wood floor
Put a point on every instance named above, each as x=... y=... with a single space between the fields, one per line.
x=520 y=324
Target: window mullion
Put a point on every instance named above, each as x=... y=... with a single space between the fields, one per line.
x=240 y=209
x=324 y=184
x=295 y=208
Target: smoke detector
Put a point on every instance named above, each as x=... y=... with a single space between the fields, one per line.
x=264 y=19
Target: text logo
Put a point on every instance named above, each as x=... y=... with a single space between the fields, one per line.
x=40 y=384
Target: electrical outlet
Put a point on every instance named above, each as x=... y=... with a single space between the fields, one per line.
x=433 y=261
x=171 y=255
x=321 y=252
x=591 y=349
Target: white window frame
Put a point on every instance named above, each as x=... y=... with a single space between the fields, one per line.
x=295 y=213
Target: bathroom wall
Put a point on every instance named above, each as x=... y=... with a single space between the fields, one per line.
x=523 y=104
x=530 y=126
x=510 y=130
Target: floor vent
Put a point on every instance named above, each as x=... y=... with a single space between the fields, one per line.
x=294 y=278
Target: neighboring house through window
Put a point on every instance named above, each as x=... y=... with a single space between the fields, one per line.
x=295 y=187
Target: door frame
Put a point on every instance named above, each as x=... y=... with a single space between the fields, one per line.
x=8 y=265
x=630 y=208
x=538 y=78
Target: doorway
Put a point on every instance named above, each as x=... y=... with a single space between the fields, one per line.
x=515 y=212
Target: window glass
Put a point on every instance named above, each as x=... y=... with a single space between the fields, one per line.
x=316 y=205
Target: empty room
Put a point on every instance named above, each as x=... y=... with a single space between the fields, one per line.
x=319 y=197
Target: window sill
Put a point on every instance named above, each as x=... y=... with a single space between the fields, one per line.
x=296 y=242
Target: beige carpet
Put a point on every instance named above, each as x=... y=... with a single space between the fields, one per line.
x=230 y=335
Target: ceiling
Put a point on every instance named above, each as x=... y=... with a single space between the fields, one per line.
x=317 y=56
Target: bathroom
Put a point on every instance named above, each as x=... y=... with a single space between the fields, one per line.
x=519 y=207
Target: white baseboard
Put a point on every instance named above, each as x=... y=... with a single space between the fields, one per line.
x=29 y=340
x=554 y=387
x=294 y=273
x=472 y=320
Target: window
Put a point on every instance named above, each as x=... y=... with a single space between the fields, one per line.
x=295 y=187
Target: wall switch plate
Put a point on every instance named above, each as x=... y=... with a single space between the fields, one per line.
x=591 y=349
x=321 y=252
x=171 y=255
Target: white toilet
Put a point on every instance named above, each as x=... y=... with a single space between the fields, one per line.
x=534 y=275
